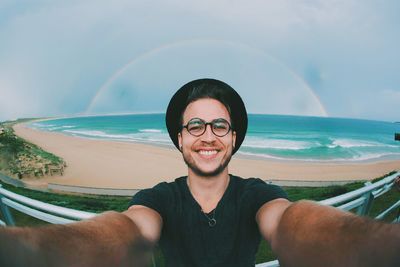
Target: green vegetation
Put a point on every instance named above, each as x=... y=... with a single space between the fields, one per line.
x=19 y=158
x=90 y=203
x=103 y=203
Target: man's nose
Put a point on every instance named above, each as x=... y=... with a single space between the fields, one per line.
x=208 y=134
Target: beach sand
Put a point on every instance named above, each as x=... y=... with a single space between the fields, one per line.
x=110 y=164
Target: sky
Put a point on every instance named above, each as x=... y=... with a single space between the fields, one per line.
x=305 y=57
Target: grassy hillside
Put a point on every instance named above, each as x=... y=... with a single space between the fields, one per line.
x=20 y=159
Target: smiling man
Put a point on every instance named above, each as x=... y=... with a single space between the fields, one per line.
x=208 y=218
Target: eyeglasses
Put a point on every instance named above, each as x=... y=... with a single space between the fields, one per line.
x=197 y=127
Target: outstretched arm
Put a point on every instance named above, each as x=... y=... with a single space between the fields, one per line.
x=309 y=234
x=110 y=239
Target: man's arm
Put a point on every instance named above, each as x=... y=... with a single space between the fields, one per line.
x=308 y=234
x=148 y=221
x=110 y=239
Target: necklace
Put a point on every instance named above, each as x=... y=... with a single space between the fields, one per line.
x=211 y=219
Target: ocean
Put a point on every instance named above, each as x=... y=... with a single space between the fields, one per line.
x=278 y=137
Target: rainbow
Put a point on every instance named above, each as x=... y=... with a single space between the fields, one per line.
x=159 y=49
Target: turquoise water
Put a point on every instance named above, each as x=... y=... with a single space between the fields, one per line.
x=269 y=136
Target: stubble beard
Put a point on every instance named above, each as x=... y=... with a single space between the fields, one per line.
x=192 y=165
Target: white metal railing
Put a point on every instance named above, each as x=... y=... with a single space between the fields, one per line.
x=360 y=199
x=38 y=209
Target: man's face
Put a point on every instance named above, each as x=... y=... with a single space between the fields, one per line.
x=206 y=155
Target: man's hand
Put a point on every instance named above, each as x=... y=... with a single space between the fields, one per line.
x=269 y=216
x=147 y=220
x=110 y=239
x=312 y=235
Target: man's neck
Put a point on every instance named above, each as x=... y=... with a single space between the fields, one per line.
x=208 y=191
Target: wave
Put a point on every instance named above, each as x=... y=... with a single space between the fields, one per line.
x=284 y=144
x=358 y=158
x=51 y=127
x=98 y=134
x=279 y=144
x=374 y=156
x=131 y=137
x=150 y=130
x=348 y=143
x=152 y=141
x=43 y=126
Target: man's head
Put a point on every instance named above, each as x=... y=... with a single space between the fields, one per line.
x=207 y=121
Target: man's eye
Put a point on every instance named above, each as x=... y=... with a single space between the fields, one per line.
x=195 y=127
x=220 y=125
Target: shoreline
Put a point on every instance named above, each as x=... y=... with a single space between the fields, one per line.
x=123 y=165
x=239 y=154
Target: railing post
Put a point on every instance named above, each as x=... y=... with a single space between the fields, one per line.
x=397 y=219
x=369 y=198
x=5 y=211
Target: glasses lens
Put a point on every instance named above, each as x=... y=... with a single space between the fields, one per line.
x=196 y=127
x=220 y=127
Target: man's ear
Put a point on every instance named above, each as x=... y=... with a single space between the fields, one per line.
x=180 y=141
x=233 y=139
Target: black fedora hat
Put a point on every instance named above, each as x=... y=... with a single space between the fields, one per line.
x=204 y=88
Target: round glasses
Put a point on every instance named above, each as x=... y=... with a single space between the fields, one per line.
x=197 y=127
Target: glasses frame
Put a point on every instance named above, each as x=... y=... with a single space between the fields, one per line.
x=205 y=126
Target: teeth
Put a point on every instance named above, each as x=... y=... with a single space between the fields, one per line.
x=208 y=152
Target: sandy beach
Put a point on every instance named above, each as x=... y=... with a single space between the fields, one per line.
x=109 y=164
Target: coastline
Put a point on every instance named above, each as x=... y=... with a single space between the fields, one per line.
x=123 y=165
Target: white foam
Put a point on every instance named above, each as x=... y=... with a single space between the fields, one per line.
x=131 y=137
x=348 y=143
x=278 y=144
x=364 y=157
x=262 y=155
x=149 y=139
x=94 y=133
x=56 y=128
x=150 y=130
x=45 y=126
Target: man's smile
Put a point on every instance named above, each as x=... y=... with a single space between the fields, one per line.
x=207 y=153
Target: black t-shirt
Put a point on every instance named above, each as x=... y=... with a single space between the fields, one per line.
x=187 y=240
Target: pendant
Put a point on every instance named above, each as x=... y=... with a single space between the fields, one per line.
x=212 y=222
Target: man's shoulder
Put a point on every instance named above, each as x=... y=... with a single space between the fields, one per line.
x=157 y=196
x=254 y=192
x=253 y=184
x=250 y=181
x=168 y=186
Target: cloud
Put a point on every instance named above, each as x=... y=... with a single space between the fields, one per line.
x=59 y=53
x=382 y=105
x=17 y=103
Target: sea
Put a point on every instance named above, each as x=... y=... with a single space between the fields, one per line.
x=280 y=137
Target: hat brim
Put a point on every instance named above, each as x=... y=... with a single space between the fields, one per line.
x=178 y=104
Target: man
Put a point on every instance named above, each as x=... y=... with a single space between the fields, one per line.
x=209 y=217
